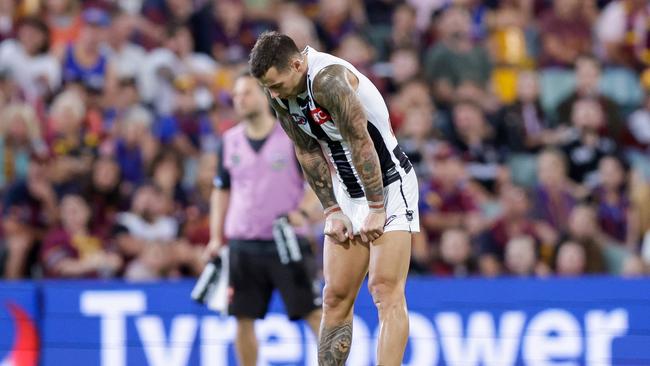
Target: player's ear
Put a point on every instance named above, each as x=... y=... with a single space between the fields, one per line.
x=296 y=63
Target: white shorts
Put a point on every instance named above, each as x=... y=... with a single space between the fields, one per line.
x=400 y=200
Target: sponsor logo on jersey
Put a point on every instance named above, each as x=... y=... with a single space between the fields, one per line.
x=299 y=119
x=320 y=116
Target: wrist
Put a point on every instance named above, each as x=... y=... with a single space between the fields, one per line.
x=376 y=206
x=332 y=209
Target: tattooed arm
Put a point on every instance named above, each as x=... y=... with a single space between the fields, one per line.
x=317 y=173
x=310 y=156
x=334 y=88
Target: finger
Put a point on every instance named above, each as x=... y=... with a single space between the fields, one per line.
x=348 y=228
x=340 y=237
x=364 y=237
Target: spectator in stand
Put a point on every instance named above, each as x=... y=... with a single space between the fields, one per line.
x=20 y=137
x=588 y=72
x=571 y=259
x=28 y=63
x=300 y=28
x=65 y=22
x=455 y=65
x=456 y=258
x=29 y=207
x=622 y=33
x=73 y=250
x=554 y=196
x=565 y=32
x=412 y=95
x=355 y=49
x=611 y=197
x=71 y=144
x=146 y=234
x=85 y=61
x=522 y=259
x=134 y=147
x=475 y=140
x=103 y=191
x=232 y=34
x=446 y=201
x=404 y=32
x=584 y=231
x=126 y=56
x=586 y=145
x=522 y=127
x=335 y=21
x=416 y=137
x=176 y=60
x=404 y=67
x=166 y=173
x=158 y=14
x=514 y=221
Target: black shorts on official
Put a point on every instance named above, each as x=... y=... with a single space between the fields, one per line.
x=256 y=270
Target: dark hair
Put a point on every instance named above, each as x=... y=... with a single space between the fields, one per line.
x=272 y=49
x=39 y=24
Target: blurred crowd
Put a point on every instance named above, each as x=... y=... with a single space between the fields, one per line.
x=528 y=123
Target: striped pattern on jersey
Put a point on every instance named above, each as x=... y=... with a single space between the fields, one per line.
x=317 y=122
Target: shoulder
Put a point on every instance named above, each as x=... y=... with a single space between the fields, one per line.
x=332 y=79
x=233 y=132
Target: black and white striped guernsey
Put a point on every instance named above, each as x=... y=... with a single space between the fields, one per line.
x=317 y=122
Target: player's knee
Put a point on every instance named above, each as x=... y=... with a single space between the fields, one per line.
x=385 y=291
x=335 y=299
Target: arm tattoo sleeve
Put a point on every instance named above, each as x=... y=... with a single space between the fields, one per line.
x=332 y=90
x=311 y=158
x=334 y=344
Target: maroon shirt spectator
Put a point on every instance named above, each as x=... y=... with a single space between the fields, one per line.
x=612 y=203
x=553 y=196
x=72 y=251
x=446 y=202
x=514 y=221
x=565 y=33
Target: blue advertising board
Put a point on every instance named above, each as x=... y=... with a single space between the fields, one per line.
x=494 y=322
x=593 y=321
x=19 y=338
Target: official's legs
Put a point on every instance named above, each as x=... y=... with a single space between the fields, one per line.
x=344 y=266
x=246 y=342
x=251 y=295
x=389 y=263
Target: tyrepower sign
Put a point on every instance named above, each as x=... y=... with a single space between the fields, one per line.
x=597 y=322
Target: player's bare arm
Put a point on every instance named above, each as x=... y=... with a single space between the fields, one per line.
x=317 y=173
x=334 y=88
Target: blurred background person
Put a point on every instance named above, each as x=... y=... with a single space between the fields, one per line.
x=73 y=251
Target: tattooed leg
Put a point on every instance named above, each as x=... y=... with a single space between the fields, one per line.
x=334 y=345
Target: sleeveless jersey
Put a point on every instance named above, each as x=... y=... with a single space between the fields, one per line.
x=317 y=122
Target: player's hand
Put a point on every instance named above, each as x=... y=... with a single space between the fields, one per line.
x=373 y=226
x=337 y=225
x=212 y=250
